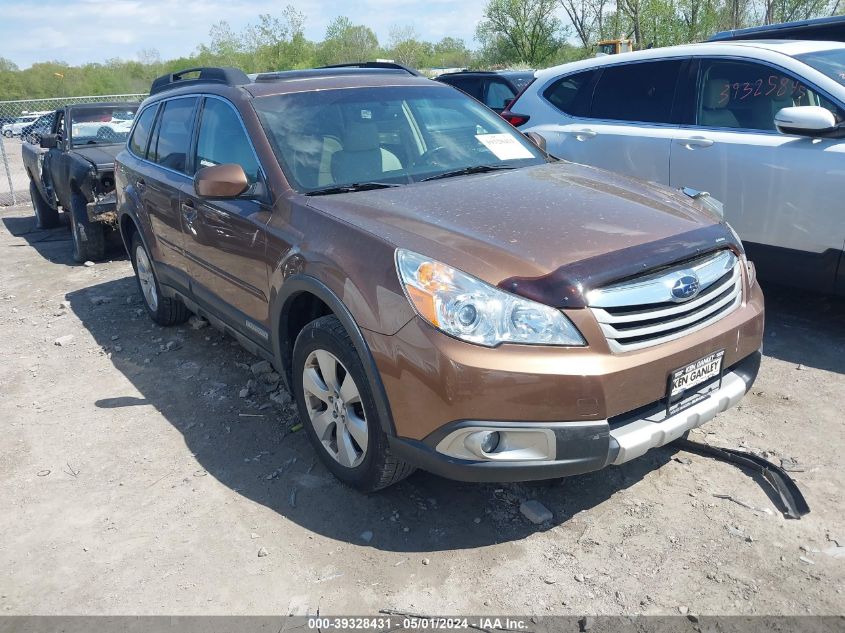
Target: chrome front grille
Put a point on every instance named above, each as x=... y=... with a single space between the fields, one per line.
x=645 y=311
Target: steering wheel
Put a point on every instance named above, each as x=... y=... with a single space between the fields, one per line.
x=429 y=157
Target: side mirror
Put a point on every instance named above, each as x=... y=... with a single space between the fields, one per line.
x=805 y=121
x=538 y=139
x=221 y=181
x=49 y=141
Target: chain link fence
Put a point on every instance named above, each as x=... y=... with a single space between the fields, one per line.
x=24 y=122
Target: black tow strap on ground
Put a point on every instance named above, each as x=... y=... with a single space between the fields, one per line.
x=790 y=495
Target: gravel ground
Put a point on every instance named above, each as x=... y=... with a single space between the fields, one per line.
x=137 y=480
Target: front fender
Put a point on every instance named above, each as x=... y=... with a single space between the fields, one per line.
x=297 y=284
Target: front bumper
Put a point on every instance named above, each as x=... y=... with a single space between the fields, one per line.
x=103 y=208
x=586 y=446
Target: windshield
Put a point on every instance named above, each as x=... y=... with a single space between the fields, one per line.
x=830 y=63
x=391 y=135
x=102 y=125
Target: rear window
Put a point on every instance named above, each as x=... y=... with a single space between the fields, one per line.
x=174 y=134
x=641 y=92
x=830 y=63
x=520 y=80
x=569 y=94
x=141 y=134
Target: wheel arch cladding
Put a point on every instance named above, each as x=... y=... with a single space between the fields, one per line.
x=128 y=227
x=302 y=299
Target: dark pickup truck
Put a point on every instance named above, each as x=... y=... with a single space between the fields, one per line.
x=74 y=169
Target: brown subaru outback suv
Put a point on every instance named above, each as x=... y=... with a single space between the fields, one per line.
x=436 y=291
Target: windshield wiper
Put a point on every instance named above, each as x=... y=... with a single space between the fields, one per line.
x=358 y=186
x=466 y=171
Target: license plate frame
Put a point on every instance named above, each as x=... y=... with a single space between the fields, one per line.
x=713 y=365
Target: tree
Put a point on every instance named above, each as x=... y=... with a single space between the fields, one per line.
x=789 y=10
x=406 y=47
x=450 y=52
x=347 y=42
x=226 y=48
x=586 y=18
x=7 y=65
x=524 y=31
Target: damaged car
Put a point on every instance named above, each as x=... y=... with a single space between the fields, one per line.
x=72 y=168
x=436 y=291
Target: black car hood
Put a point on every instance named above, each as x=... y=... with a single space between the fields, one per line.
x=100 y=155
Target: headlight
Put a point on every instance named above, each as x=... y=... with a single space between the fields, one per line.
x=474 y=311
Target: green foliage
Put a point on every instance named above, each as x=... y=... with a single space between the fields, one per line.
x=526 y=31
x=346 y=42
x=513 y=33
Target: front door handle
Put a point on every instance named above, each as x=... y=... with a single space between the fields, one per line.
x=695 y=141
x=583 y=135
x=189 y=213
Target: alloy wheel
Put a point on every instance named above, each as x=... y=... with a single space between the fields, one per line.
x=146 y=278
x=335 y=409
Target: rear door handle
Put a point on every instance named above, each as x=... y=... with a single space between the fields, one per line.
x=695 y=141
x=583 y=135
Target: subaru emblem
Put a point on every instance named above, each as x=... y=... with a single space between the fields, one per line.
x=686 y=287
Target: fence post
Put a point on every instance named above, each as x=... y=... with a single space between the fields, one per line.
x=7 y=170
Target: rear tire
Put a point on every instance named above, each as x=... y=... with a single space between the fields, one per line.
x=89 y=242
x=46 y=217
x=163 y=310
x=339 y=411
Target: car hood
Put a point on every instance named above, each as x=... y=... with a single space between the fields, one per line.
x=100 y=155
x=547 y=232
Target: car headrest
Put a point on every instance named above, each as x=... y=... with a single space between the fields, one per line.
x=714 y=91
x=360 y=137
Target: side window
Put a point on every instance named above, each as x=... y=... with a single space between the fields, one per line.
x=141 y=134
x=223 y=140
x=637 y=92
x=571 y=94
x=470 y=85
x=173 y=137
x=748 y=95
x=497 y=95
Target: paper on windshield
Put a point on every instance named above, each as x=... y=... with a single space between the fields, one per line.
x=504 y=146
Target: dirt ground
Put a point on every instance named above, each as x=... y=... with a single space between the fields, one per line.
x=135 y=480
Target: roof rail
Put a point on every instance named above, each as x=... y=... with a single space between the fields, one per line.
x=327 y=71
x=225 y=75
x=382 y=65
x=829 y=29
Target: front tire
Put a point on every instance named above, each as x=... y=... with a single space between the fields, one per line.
x=89 y=241
x=163 y=310
x=46 y=217
x=337 y=407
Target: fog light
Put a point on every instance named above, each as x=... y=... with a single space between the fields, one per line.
x=482 y=442
x=490 y=442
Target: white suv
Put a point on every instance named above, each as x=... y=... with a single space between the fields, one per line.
x=711 y=117
x=14 y=128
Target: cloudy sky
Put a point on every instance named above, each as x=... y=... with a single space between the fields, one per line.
x=79 y=31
